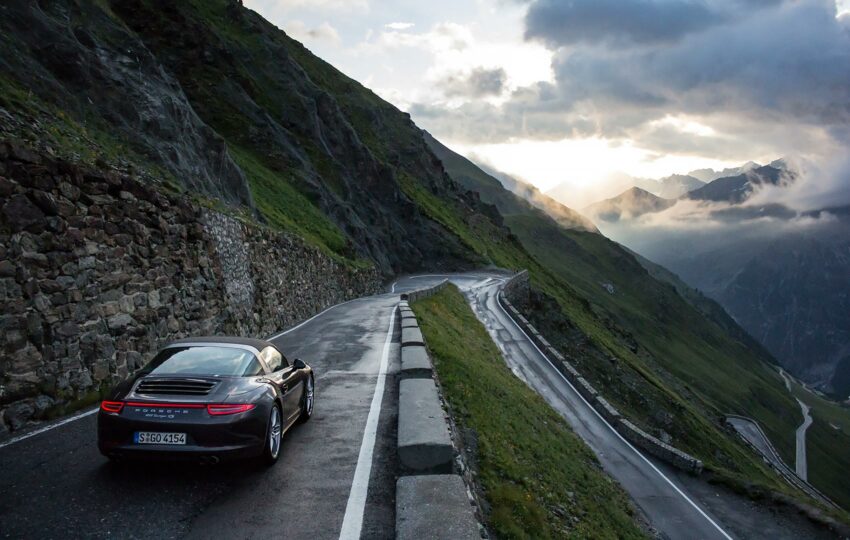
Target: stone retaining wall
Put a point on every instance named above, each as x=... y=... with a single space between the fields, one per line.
x=517 y=287
x=628 y=430
x=419 y=294
x=98 y=270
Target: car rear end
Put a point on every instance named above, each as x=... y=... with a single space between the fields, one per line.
x=194 y=418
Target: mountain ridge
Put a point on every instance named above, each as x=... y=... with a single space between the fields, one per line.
x=630 y=204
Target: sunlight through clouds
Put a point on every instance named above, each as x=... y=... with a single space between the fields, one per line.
x=560 y=92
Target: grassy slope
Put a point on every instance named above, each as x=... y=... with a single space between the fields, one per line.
x=693 y=364
x=539 y=479
x=278 y=193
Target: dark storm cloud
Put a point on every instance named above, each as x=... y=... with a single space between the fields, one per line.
x=772 y=77
x=479 y=82
x=620 y=22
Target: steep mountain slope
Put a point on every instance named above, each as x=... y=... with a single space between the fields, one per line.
x=112 y=92
x=321 y=155
x=630 y=204
x=289 y=114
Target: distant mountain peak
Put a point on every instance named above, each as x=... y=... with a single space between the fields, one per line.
x=738 y=188
x=709 y=175
x=630 y=204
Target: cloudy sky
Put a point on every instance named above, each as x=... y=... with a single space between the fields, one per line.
x=578 y=91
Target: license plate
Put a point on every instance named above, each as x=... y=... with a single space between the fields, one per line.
x=153 y=437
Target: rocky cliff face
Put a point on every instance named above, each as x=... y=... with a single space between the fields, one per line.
x=77 y=58
x=210 y=97
x=99 y=270
x=333 y=140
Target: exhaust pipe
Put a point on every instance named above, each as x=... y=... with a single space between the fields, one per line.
x=209 y=460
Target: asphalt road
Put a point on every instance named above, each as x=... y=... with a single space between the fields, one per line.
x=801 y=463
x=56 y=484
x=336 y=475
x=750 y=431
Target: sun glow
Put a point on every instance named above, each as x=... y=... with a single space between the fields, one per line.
x=585 y=170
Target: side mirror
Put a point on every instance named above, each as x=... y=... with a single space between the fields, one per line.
x=298 y=364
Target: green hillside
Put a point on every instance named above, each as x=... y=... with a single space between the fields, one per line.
x=677 y=366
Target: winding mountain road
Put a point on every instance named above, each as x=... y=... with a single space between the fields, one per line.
x=336 y=476
x=801 y=463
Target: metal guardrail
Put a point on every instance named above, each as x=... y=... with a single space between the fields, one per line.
x=418 y=294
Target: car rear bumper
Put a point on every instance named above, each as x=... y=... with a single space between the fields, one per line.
x=202 y=454
x=207 y=438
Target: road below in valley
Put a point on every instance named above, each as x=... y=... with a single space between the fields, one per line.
x=801 y=463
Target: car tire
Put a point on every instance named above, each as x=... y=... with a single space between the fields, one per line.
x=308 y=400
x=274 y=437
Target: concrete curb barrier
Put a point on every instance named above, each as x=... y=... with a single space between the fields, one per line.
x=409 y=322
x=658 y=448
x=429 y=504
x=411 y=336
x=415 y=363
x=624 y=427
x=424 y=443
x=607 y=410
x=418 y=294
x=434 y=506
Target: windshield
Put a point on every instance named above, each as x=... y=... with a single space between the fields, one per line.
x=224 y=361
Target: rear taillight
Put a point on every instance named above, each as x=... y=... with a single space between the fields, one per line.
x=111 y=406
x=228 y=408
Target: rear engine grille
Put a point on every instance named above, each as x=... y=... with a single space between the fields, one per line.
x=175 y=387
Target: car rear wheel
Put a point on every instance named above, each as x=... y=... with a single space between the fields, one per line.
x=274 y=436
x=307 y=402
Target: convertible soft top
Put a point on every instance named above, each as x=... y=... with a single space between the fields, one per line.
x=258 y=344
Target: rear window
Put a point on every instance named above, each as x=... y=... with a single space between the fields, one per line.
x=223 y=361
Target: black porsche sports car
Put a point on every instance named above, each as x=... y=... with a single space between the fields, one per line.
x=207 y=399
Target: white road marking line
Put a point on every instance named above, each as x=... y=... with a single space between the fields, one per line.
x=40 y=430
x=661 y=474
x=352 y=523
x=310 y=319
